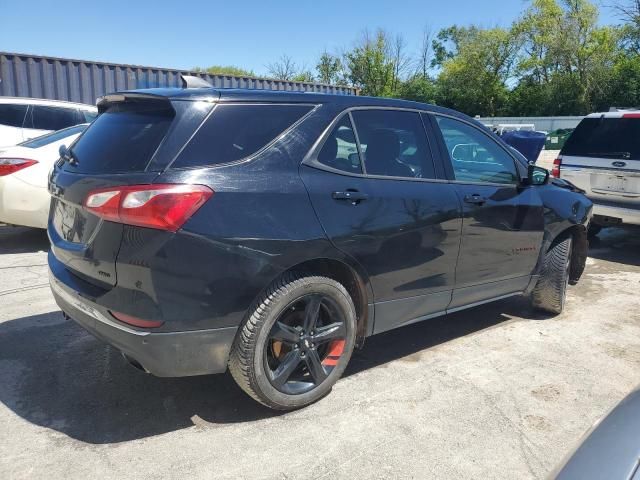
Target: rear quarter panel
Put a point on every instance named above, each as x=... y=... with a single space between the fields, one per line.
x=258 y=224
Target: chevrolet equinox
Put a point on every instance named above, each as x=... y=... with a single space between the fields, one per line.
x=201 y=229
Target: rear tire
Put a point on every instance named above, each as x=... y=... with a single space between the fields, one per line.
x=296 y=342
x=550 y=292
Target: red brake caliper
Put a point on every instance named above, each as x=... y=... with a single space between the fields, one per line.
x=336 y=347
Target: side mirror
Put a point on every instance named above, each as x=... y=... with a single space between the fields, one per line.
x=536 y=175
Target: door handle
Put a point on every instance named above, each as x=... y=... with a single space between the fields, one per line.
x=475 y=199
x=353 y=196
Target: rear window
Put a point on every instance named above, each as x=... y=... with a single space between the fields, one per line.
x=606 y=138
x=122 y=139
x=53 y=137
x=233 y=132
x=12 y=115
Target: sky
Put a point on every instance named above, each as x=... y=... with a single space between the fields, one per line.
x=247 y=33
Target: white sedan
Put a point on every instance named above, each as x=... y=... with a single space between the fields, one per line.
x=24 y=172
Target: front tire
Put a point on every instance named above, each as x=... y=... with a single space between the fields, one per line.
x=296 y=342
x=550 y=292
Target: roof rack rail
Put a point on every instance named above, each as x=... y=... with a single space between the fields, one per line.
x=191 y=81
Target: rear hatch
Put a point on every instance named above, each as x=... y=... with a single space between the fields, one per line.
x=135 y=136
x=602 y=157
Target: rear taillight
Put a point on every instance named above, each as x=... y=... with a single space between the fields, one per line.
x=12 y=165
x=163 y=207
x=631 y=115
x=135 y=321
x=557 y=163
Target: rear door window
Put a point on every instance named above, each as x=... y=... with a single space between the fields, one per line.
x=53 y=118
x=12 y=115
x=394 y=143
x=340 y=150
x=122 y=139
x=234 y=132
x=605 y=138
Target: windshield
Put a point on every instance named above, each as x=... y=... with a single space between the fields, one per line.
x=605 y=137
x=53 y=137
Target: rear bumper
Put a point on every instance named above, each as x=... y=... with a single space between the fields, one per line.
x=626 y=215
x=167 y=354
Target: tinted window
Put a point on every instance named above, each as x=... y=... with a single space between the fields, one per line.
x=609 y=138
x=233 y=132
x=475 y=157
x=53 y=137
x=394 y=143
x=12 y=115
x=340 y=150
x=87 y=117
x=53 y=118
x=122 y=139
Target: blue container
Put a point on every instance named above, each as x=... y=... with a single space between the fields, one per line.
x=528 y=143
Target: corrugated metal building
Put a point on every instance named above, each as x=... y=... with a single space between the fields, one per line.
x=83 y=81
x=545 y=124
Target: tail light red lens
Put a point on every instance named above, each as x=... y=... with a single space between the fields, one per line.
x=12 y=165
x=557 y=163
x=135 y=321
x=631 y=115
x=162 y=206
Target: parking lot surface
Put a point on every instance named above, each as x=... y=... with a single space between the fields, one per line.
x=499 y=391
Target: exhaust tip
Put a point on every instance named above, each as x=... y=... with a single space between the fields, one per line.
x=134 y=363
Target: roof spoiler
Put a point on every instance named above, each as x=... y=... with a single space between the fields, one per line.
x=106 y=101
x=191 y=81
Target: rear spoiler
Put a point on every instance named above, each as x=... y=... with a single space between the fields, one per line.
x=106 y=101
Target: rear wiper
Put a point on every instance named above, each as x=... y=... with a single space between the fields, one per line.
x=67 y=155
x=625 y=155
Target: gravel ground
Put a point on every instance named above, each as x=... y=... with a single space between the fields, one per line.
x=498 y=391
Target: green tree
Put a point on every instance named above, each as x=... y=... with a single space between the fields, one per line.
x=371 y=65
x=418 y=88
x=625 y=85
x=476 y=65
x=304 y=76
x=225 y=70
x=330 y=70
x=565 y=62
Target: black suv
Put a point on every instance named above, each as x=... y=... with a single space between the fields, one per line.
x=271 y=232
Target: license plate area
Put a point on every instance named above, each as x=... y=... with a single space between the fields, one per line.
x=621 y=184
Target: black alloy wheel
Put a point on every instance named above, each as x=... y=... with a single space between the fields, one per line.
x=305 y=344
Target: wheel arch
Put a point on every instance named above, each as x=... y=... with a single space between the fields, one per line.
x=579 y=235
x=356 y=283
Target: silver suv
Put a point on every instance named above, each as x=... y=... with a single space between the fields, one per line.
x=602 y=157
